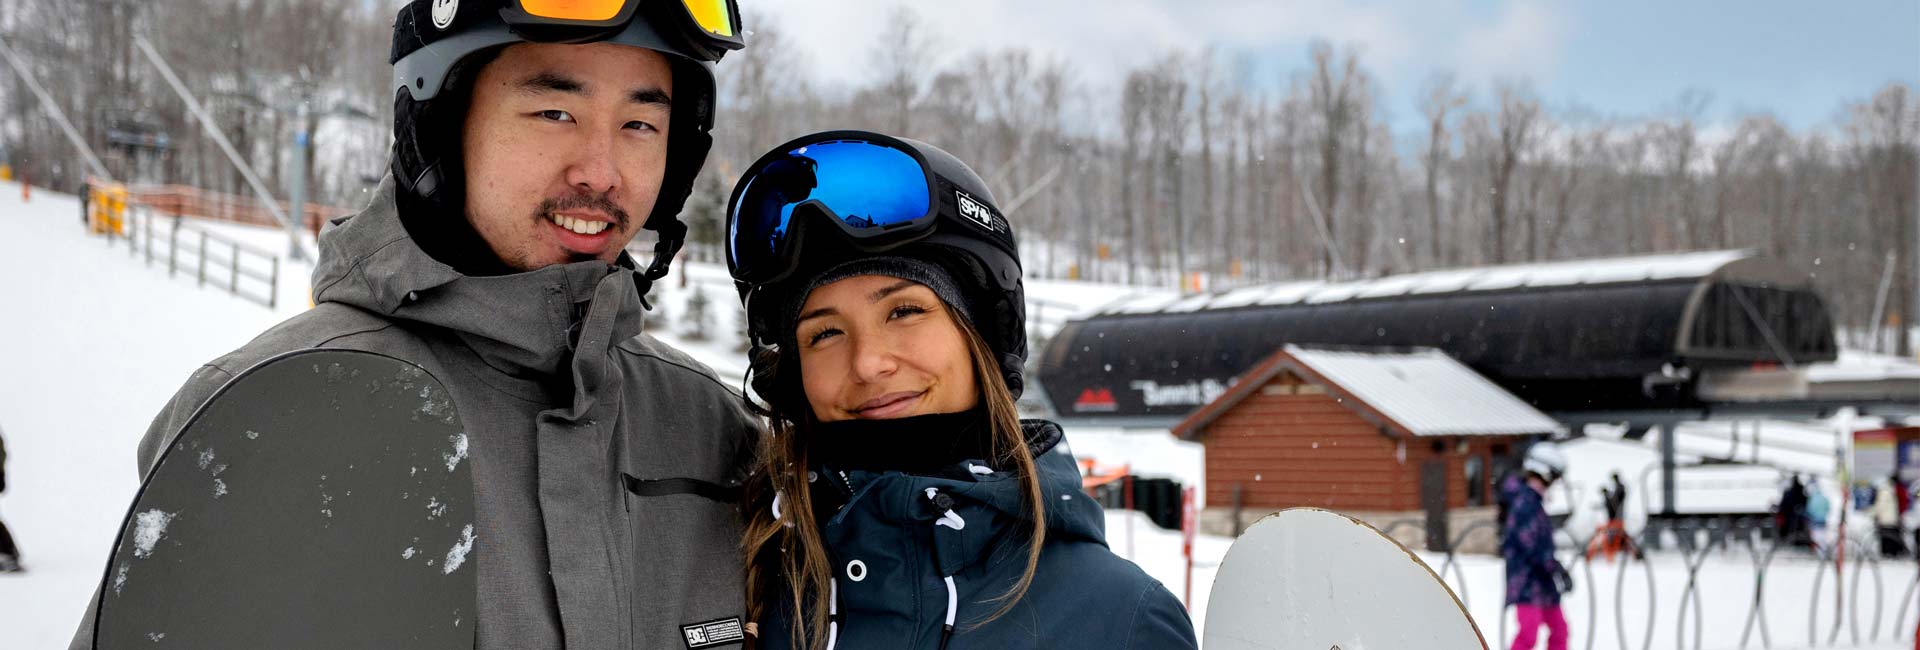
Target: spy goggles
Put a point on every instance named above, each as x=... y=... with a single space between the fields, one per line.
x=877 y=191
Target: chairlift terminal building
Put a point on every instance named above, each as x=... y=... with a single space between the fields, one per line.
x=1599 y=337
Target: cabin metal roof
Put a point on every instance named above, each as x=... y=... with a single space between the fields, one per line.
x=1418 y=392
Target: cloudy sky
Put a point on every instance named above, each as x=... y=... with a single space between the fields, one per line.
x=1628 y=59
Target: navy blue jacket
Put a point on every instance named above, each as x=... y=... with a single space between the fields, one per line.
x=893 y=546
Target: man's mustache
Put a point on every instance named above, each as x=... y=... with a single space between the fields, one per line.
x=596 y=202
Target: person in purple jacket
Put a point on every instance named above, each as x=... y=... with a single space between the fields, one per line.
x=1535 y=579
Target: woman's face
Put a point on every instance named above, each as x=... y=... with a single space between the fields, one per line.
x=879 y=347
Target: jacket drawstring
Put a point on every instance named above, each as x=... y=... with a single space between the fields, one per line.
x=950 y=519
x=953 y=608
x=947 y=518
x=833 y=612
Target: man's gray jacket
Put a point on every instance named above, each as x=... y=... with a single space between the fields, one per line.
x=564 y=399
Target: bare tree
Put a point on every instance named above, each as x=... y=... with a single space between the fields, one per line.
x=1133 y=100
x=1724 y=160
x=1643 y=218
x=1168 y=121
x=1678 y=145
x=1372 y=153
x=1260 y=248
x=1335 y=98
x=904 y=56
x=1232 y=220
x=1519 y=115
x=760 y=81
x=1439 y=100
x=1886 y=142
x=1537 y=171
x=1768 y=151
x=1583 y=153
x=1050 y=90
x=1304 y=182
x=1205 y=91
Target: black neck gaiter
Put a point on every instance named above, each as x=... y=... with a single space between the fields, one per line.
x=922 y=444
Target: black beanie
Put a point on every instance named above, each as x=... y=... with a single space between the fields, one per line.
x=905 y=268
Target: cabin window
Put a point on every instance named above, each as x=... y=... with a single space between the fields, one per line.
x=1476 y=481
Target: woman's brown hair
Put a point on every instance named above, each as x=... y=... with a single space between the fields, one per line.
x=786 y=558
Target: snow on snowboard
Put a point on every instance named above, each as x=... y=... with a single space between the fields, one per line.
x=1310 y=579
x=320 y=499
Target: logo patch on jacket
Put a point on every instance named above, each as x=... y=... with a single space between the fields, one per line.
x=713 y=633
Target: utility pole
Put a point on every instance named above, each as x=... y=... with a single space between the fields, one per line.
x=297 y=252
x=297 y=192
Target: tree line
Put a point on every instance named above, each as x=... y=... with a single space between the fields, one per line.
x=1179 y=176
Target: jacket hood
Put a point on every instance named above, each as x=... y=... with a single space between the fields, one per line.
x=988 y=502
x=527 y=325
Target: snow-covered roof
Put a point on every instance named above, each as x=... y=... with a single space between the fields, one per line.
x=1418 y=392
x=1675 y=266
x=1861 y=366
x=1426 y=392
x=1143 y=304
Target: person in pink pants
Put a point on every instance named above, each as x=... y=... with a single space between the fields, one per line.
x=1531 y=618
x=1535 y=579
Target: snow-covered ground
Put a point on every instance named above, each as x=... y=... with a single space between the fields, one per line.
x=93 y=342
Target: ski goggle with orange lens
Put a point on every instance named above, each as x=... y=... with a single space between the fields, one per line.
x=431 y=37
x=713 y=25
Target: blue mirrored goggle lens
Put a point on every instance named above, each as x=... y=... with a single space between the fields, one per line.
x=864 y=185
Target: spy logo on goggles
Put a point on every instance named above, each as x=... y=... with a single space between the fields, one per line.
x=977 y=211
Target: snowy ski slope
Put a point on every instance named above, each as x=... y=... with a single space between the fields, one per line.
x=92 y=343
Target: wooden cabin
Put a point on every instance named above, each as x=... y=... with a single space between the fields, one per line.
x=1409 y=440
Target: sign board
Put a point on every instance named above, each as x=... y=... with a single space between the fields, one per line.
x=1875 y=454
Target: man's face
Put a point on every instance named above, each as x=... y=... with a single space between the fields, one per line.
x=565 y=147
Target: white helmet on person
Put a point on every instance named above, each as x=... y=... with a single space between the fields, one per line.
x=1546 y=460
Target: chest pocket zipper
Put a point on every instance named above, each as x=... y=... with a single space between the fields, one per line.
x=671 y=486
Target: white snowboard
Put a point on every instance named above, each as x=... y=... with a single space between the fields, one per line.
x=1311 y=579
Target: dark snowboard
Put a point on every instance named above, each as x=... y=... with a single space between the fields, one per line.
x=321 y=499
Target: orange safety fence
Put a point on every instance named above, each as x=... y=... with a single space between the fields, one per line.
x=1092 y=476
x=189 y=201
